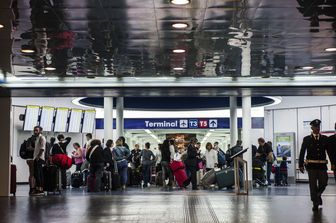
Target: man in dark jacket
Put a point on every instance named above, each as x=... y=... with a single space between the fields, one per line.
x=332 y=147
x=232 y=151
x=192 y=162
x=165 y=161
x=316 y=146
x=95 y=156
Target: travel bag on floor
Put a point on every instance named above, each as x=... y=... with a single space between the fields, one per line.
x=225 y=178
x=209 y=178
x=76 y=179
x=106 y=181
x=52 y=179
x=13 y=180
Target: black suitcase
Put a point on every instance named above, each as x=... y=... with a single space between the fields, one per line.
x=208 y=178
x=76 y=179
x=225 y=178
x=106 y=181
x=52 y=179
x=115 y=181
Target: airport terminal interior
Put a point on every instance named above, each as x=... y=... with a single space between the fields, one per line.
x=168 y=111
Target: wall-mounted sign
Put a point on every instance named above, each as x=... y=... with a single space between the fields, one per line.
x=284 y=143
x=183 y=123
x=47 y=118
x=31 y=117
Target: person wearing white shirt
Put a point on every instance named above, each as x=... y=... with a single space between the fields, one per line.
x=40 y=147
x=210 y=156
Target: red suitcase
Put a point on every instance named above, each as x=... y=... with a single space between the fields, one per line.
x=13 y=180
x=180 y=174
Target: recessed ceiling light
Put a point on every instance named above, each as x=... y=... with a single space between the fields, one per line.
x=180 y=2
x=179 y=51
x=1 y=26
x=307 y=68
x=332 y=49
x=27 y=51
x=50 y=68
x=178 y=68
x=180 y=25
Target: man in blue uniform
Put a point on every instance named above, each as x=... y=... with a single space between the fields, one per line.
x=316 y=146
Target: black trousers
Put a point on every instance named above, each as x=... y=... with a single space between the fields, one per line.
x=318 y=181
x=193 y=176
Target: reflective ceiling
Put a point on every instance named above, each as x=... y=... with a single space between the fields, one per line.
x=122 y=43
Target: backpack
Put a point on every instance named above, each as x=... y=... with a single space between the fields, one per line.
x=221 y=157
x=24 y=152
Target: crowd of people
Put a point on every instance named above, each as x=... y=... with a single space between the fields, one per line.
x=169 y=164
x=138 y=166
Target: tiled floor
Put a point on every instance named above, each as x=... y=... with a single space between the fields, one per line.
x=271 y=205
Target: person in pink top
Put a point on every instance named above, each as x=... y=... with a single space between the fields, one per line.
x=77 y=155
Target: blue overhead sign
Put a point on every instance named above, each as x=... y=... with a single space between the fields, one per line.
x=183 y=123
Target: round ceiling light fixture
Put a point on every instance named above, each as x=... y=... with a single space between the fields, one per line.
x=1 y=26
x=180 y=2
x=27 y=51
x=179 y=51
x=332 y=49
x=180 y=25
x=307 y=68
x=178 y=68
x=50 y=68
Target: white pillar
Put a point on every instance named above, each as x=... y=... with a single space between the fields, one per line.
x=246 y=105
x=120 y=116
x=108 y=118
x=233 y=121
x=5 y=149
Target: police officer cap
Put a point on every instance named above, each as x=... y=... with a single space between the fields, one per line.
x=315 y=122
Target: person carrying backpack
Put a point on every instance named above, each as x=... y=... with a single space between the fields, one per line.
x=220 y=156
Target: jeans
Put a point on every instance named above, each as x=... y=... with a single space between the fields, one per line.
x=122 y=170
x=31 y=179
x=166 y=173
x=146 y=172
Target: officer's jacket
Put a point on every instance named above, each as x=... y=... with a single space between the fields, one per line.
x=316 y=150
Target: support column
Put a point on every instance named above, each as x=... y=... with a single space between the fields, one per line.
x=120 y=116
x=246 y=104
x=108 y=118
x=233 y=121
x=5 y=149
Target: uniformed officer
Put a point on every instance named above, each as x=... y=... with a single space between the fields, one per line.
x=316 y=146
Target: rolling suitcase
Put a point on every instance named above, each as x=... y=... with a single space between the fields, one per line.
x=106 y=181
x=52 y=179
x=115 y=181
x=208 y=178
x=158 y=179
x=13 y=180
x=225 y=178
x=76 y=179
